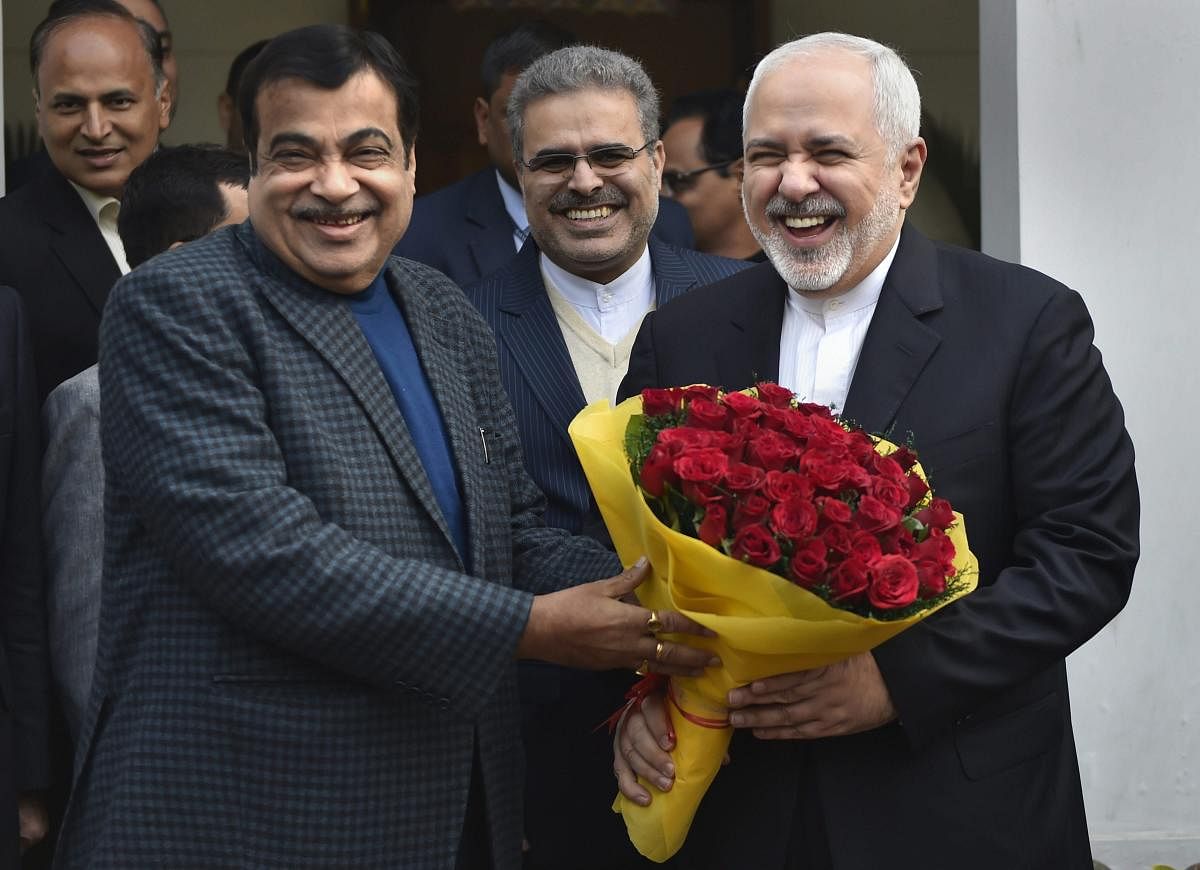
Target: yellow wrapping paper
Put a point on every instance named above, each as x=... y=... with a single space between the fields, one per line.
x=765 y=625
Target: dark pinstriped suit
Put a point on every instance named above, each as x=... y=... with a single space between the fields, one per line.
x=561 y=706
x=293 y=668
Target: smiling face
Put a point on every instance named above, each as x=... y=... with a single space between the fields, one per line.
x=96 y=108
x=821 y=194
x=333 y=191
x=593 y=222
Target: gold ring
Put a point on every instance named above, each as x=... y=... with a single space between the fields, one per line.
x=654 y=624
x=643 y=668
x=659 y=650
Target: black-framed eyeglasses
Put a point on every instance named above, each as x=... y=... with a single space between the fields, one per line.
x=605 y=159
x=675 y=181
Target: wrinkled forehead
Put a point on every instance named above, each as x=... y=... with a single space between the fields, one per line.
x=363 y=105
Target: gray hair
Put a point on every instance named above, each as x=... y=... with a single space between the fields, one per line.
x=897 y=98
x=576 y=68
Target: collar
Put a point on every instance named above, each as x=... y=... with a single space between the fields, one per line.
x=862 y=295
x=630 y=286
x=95 y=202
x=514 y=203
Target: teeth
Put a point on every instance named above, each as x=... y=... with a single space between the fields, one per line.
x=802 y=223
x=344 y=222
x=581 y=214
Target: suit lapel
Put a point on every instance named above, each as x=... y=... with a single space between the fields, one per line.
x=491 y=229
x=898 y=344
x=752 y=353
x=77 y=241
x=532 y=336
x=329 y=326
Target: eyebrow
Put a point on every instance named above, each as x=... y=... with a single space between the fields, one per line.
x=107 y=95
x=830 y=140
x=561 y=150
x=290 y=137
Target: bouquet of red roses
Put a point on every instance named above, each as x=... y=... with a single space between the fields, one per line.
x=800 y=540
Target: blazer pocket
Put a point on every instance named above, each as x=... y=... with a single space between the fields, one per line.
x=960 y=449
x=989 y=746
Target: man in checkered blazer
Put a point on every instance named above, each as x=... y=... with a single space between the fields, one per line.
x=323 y=554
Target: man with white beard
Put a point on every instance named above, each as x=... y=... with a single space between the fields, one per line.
x=951 y=744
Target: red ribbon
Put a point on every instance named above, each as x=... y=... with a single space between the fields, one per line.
x=649 y=685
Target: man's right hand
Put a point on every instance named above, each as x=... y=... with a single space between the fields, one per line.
x=587 y=626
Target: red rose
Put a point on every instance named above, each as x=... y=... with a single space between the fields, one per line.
x=706 y=414
x=834 y=510
x=658 y=403
x=782 y=485
x=872 y=516
x=770 y=450
x=741 y=478
x=864 y=545
x=775 y=395
x=891 y=492
x=700 y=391
x=773 y=418
x=916 y=489
x=894 y=583
x=889 y=541
x=657 y=471
x=756 y=545
x=796 y=423
x=808 y=563
x=825 y=469
x=681 y=438
x=701 y=465
x=814 y=410
x=743 y=405
x=750 y=509
x=937 y=548
x=701 y=494
x=937 y=514
x=905 y=457
x=885 y=466
x=714 y=526
x=931 y=579
x=838 y=539
x=795 y=518
x=849 y=579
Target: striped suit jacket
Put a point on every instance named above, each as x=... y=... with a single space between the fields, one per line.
x=539 y=376
x=293 y=669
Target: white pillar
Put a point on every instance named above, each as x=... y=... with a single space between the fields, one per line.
x=1091 y=173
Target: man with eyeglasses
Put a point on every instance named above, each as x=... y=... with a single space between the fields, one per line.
x=471 y=228
x=703 y=142
x=584 y=124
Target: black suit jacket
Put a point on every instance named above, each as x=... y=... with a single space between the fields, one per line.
x=464 y=231
x=24 y=656
x=991 y=367
x=54 y=256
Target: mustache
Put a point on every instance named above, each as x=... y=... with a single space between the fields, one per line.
x=606 y=195
x=324 y=213
x=810 y=206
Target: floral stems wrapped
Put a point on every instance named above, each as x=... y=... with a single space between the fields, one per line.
x=799 y=540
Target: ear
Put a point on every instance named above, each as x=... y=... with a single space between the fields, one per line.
x=164 y=106
x=659 y=158
x=909 y=165
x=483 y=113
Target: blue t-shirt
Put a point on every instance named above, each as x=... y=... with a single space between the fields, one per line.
x=386 y=331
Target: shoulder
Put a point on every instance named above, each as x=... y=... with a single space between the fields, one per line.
x=746 y=285
x=439 y=294
x=707 y=268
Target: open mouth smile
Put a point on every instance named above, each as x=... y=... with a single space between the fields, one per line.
x=587 y=214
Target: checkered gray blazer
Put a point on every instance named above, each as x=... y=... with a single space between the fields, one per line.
x=293 y=669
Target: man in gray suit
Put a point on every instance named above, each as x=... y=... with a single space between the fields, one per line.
x=323 y=554
x=176 y=195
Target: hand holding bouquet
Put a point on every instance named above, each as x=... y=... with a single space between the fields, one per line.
x=799 y=540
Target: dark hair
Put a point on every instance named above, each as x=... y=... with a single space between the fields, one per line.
x=517 y=48
x=238 y=67
x=327 y=55
x=63 y=12
x=173 y=197
x=721 y=111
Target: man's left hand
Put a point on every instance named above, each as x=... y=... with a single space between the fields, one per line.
x=842 y=698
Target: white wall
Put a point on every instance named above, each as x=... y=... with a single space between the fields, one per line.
x=1104 y=185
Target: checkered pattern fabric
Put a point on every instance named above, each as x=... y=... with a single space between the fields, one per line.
x=293 y=671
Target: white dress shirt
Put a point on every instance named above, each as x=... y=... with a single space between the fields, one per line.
x=514 y=204
x=103 y=210
x=822 y=338
x=611 y=309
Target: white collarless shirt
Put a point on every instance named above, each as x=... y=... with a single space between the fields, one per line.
x=612 y=309
x=103 y=210
x=822 y=338
x=514 y=204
